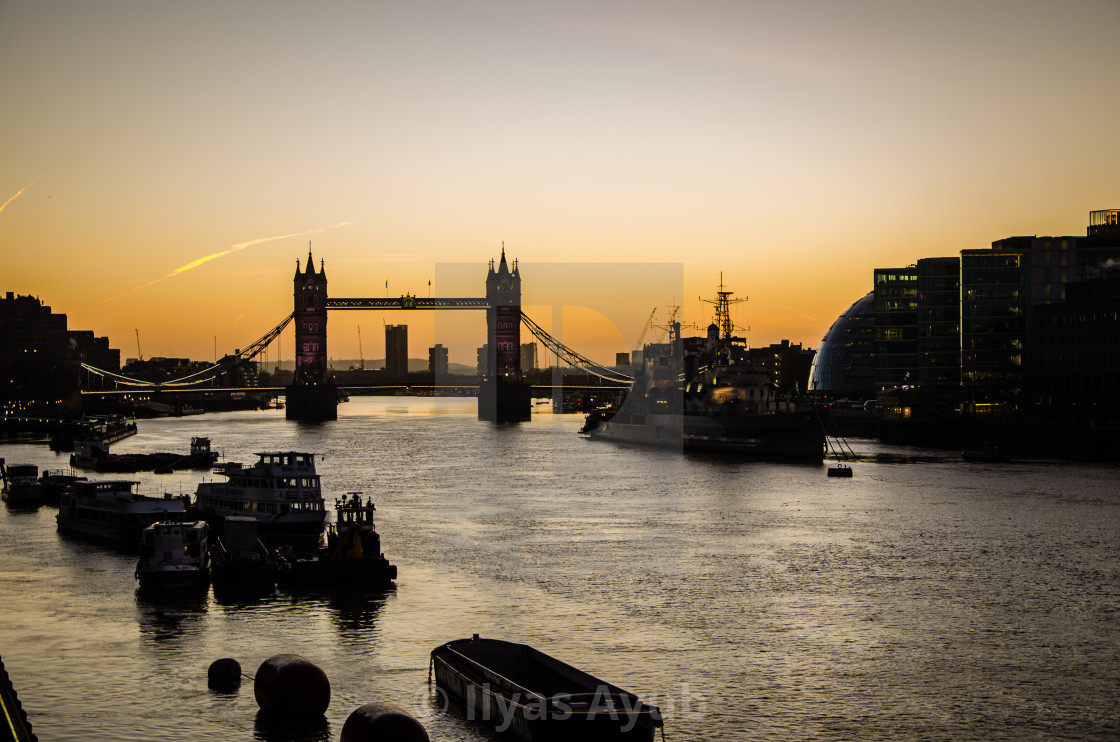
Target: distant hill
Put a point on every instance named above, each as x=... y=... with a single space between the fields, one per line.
x=372 y=364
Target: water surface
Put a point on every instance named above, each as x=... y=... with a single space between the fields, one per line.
x=925 y=598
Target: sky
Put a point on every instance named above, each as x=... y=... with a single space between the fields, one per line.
x=164 y=165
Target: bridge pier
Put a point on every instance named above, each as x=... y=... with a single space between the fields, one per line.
x=311 y=403
x=504 y=402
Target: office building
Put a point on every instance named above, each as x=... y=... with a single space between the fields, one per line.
x=528 y=357
x=1000 y=290
x=396 y=351
x=844 y=365
x=437 y=360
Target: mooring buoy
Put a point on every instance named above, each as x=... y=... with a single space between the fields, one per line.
x=289 y=684
x=224 y=674
x=382 y=722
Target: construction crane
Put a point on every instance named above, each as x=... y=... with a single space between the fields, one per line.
x=361 y=358
x=139 y=355
x=645 y=329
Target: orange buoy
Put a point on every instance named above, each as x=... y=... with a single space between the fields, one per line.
x=382 y=722
x=289 y=684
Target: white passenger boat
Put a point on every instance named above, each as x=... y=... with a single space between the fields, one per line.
x=113 y=511
x=174 y=555
x=281 y=491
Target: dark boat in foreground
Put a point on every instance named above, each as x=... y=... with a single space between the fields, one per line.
x=531 y=696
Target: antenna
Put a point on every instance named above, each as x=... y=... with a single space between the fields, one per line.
x=723 y=302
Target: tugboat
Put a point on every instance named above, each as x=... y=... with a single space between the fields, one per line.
x=352 y=555
x=710 y=399
x=174 y=556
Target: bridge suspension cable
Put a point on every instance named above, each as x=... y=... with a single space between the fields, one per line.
x=573 y=358
x=226 y=364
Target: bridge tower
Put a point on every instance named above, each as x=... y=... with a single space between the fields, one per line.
x=312 y=395
x=503 y=395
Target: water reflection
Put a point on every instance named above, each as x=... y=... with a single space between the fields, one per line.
x=239 y=597
x=284 y=728
x=168 y=619
x=354 y=610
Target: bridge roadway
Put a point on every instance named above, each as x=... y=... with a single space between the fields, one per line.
x=543 y=389
x=408 y=302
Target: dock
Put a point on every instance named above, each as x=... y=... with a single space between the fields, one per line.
x=14 y=726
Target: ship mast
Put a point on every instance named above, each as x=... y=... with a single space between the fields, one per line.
x=723 y=302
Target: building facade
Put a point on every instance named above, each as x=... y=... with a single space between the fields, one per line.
x=844 y=364
x=396 y=351
x=41 y=359
x=1077 y=350
x=528 y=357
x=437 y=360
x=1001 y=288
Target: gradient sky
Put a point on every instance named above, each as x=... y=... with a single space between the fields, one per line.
x=164 y=164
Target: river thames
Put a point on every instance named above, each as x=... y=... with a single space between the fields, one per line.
x=925 y=598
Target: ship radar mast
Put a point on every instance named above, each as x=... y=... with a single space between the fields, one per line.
x=723 y=304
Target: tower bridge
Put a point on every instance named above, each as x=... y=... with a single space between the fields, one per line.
x=313 y=395
x=503 y=394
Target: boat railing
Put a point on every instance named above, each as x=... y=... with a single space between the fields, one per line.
x=500 y=681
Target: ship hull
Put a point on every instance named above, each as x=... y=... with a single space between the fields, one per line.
x=786 y=436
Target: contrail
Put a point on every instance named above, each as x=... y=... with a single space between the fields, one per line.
x=214 y=256
x=20 y=192
x=801 y=313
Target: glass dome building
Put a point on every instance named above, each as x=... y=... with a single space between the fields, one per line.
x=844 y=366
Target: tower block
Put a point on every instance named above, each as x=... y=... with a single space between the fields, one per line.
x=313 y=394
x=503 y=395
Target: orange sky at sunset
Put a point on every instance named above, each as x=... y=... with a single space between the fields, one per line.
x=165 y=164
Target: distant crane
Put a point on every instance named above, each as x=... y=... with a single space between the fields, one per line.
x=140 y=356
x=645 y=329
x=361 y=358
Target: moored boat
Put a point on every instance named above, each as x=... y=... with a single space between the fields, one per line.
x=20 y=485
x=533 y=697
x=54 y=483
x=113 y=511
x=352 y=555
x=95 y=455
x=707 y=396
x=238 y=558
x=174 y=555
x=281 y=492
